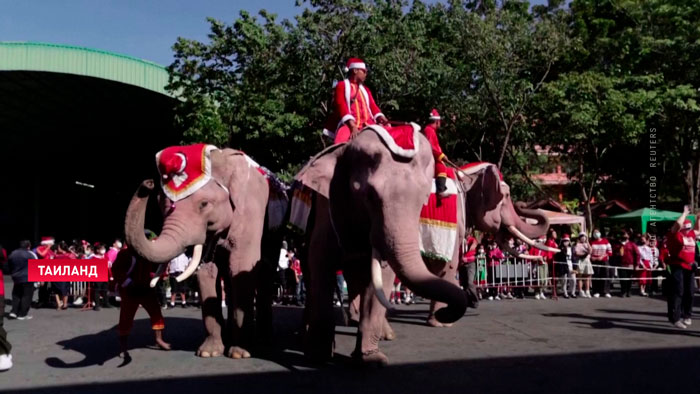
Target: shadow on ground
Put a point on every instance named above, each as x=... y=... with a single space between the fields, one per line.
x=103 y=346
x=621 y=372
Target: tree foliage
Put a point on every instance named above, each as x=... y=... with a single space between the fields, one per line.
x=589 y=79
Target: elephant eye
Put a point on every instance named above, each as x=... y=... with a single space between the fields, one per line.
x=203 y=204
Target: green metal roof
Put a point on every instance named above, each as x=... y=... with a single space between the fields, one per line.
x=37 y=56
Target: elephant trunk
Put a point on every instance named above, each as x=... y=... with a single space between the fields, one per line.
x=167 y=246
x=405 y=259
x=530 y=230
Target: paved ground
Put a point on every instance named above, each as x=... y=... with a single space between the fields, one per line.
x=523 y=346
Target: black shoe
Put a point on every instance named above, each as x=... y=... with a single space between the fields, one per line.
x=184 y=306
x=96 y=308
x=566 y=296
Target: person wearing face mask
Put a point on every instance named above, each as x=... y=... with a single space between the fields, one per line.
x=601 y=250
x=681 y=246
x=481 y=269
x=564 y=265
x=629 y=258
x=542 y=270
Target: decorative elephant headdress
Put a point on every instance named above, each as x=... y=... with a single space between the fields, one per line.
x=184 y=169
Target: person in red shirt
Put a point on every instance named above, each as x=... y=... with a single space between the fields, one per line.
x=133 y=275
x=601 y=250
x=628 y=259
x=681 y=255
x=467 y=271
x=430 y=131
x=354 y=106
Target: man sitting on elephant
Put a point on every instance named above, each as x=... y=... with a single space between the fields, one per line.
x=430 y=132
x=354 y=106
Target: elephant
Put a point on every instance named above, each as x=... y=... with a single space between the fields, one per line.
x=224 y=217
x=487 y=207
x=366 y=210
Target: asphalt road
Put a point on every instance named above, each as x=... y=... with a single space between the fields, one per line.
x=510 y=346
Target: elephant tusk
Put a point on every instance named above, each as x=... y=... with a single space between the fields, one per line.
x=377 y=281
x=192 y=266
x=530 y=242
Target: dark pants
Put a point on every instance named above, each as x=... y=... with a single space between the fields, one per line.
x=625 y=284
x=681 y=286
x=22 y=298
x=44 y=296
x=467 y=275
x=5 y=346
x=602 y=286
x=339 y=279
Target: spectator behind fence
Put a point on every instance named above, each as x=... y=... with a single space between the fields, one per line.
x=23 y=289
x=495 y=257
x=564 y=266
x=601 y=250
x=542 y=269
x=175 y=268
x=645 y=266
x=582 y=251
x=681 y=246
x=629 y=258
x=481 y=269
x=60 y=289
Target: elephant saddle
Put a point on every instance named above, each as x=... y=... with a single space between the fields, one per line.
x=438 y=224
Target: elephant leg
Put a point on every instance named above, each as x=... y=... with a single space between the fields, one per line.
x=371 y=329
x=213 y=346
x=323 y=251
x=241 y=322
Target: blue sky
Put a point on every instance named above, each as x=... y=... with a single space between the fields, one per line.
x=144 y=29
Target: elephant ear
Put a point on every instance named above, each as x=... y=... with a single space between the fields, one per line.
x=318 y=172
x=491 y=189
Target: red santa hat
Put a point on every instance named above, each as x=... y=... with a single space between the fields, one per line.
x=687 y=224
x=565 y=237
x=434 y=115
x=355 y=62
x=184 y=169
x=47 y=240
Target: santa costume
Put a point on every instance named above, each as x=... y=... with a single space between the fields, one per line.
x=351 y=101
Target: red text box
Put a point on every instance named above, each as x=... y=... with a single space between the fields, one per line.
x=68 y=270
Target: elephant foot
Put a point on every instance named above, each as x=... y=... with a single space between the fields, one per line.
x=238 y=352
x=388 y=334
x=372 y=358
x=211 y=347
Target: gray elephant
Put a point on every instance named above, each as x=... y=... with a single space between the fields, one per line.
x=486 y=205
x=366 y=211
x=216 y=200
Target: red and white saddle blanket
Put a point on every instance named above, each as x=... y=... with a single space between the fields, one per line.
x=401 y=140
x=438 y=224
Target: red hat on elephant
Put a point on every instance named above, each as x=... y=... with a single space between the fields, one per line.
x=355 y=62
x=434 y=115
x=184 y=169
